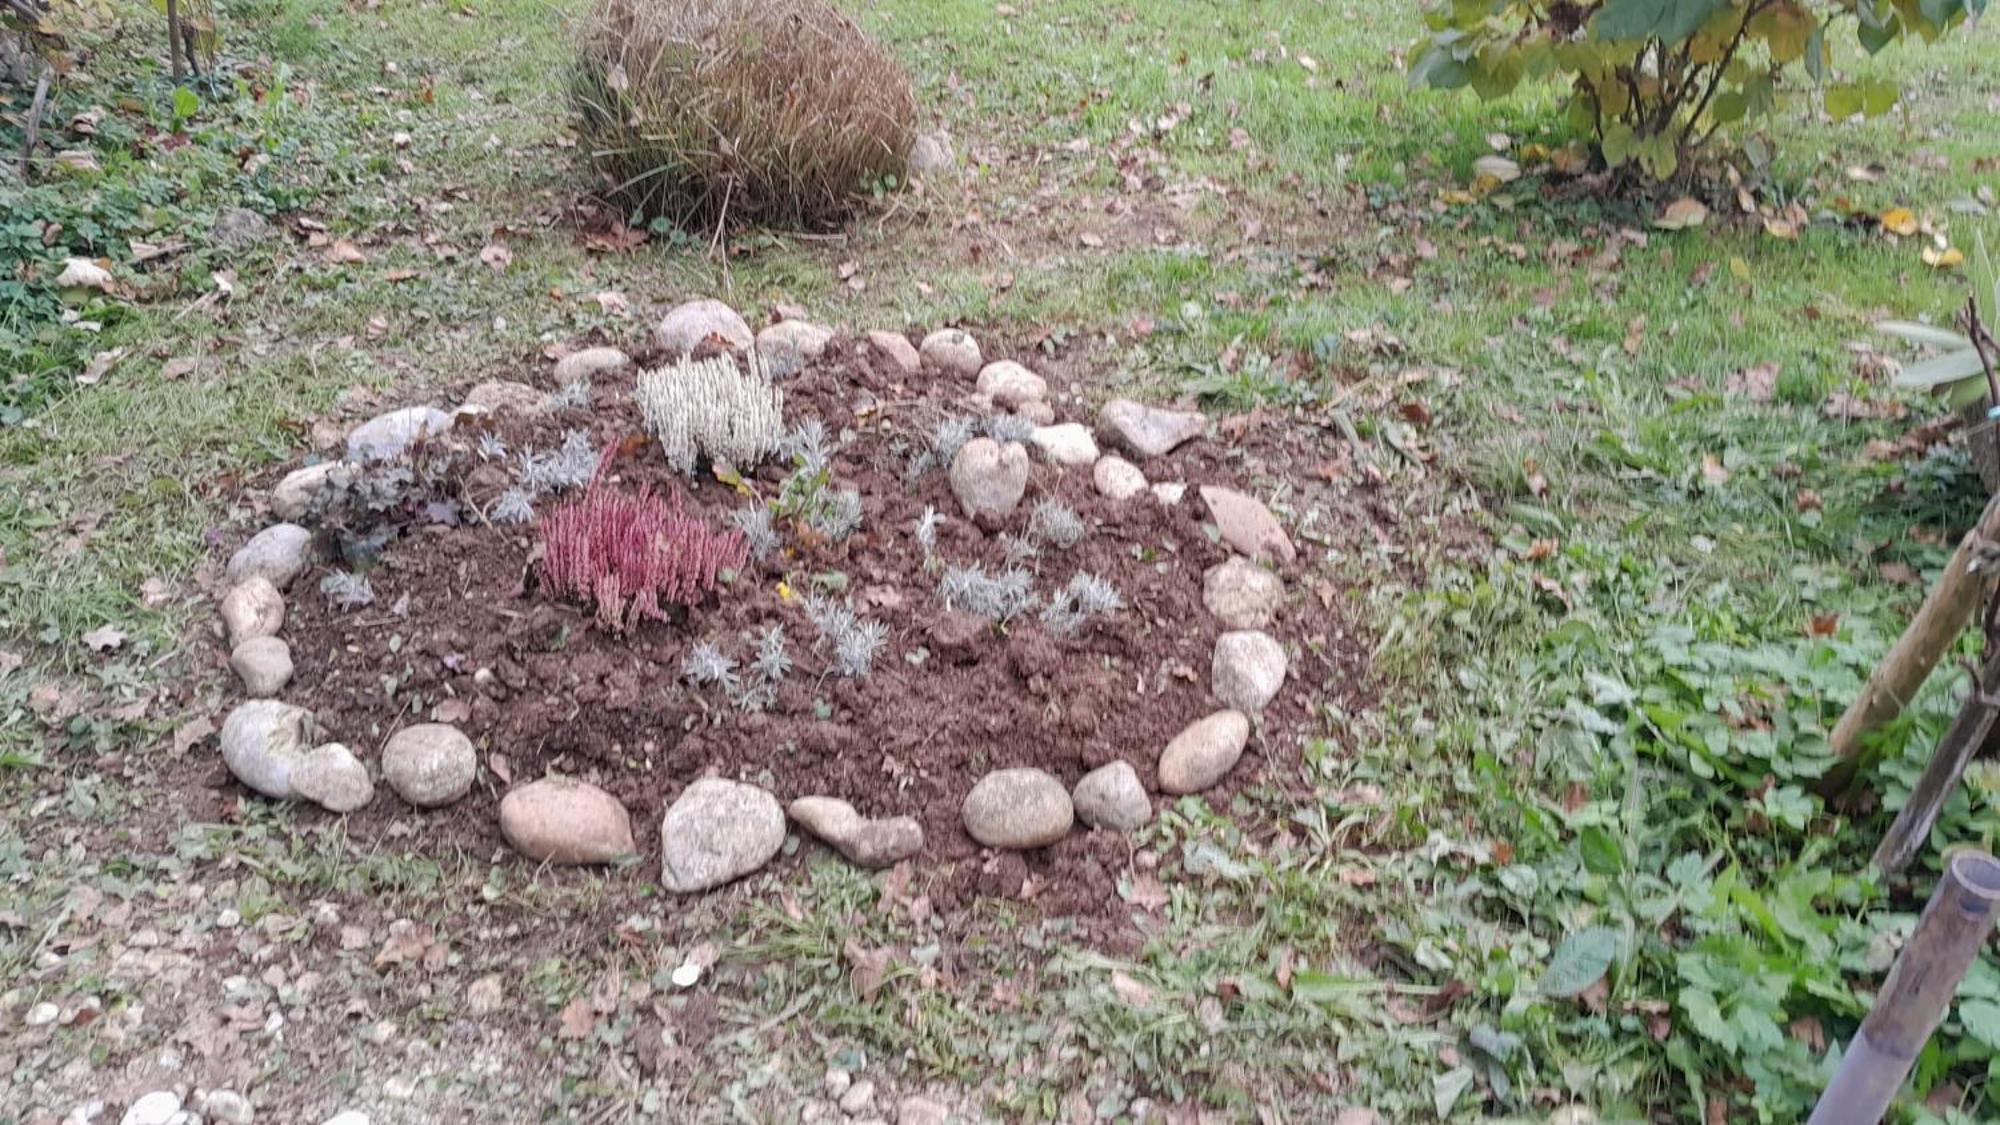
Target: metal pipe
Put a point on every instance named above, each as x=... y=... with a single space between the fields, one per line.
x=1913 y=999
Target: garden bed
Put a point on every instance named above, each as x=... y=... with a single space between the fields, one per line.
x=459 y=631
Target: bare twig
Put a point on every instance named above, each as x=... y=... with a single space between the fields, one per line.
x=1960 y=744
x=34 y=126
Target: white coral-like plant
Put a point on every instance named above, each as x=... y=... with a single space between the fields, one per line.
x=711 y=408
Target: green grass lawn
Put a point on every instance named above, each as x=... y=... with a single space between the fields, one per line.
x=1599 y=725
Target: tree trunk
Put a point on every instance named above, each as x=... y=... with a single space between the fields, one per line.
x=174 y=39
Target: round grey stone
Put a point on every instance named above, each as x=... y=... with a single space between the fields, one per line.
x=1241 y=594
x=1204 y=753
x=687 y=325
x=262 y=741
x=239 y=228
x=292 y=497
x=1111 y=796
x=1069 y=444
x=1148 y=431
x=562 y=821
x=1009 y=384
x=931 y=154
x=264 y=664
x=718 y=831
x=792 y=342
x=1018 y=809
x=1116 y=478
x=989 y=479
x=430 y=764
x=386 y=437
x=1247 y=525
x=496 y=396
x=1248 y=669
x=865 y=843
x=252 y=608
x=278 y=554
x=898 y=348
x=919 y=1110
x=156 y=1108
x=331 y=777
x=590 y=362
x=953 y=350
x=227 y=1107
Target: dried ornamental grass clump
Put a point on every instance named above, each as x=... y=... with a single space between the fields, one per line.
x=631 y=554
x=715 y=112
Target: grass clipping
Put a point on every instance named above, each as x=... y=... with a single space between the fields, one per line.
x=713 y=113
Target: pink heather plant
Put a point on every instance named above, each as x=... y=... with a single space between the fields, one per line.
x=631 y=553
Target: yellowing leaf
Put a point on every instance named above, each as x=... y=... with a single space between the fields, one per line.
x=82 y=273
x=1943 y=259
x=1740 y=269
x=1682 y=213
x=343 y=252
x=1899 y=220
x=1497 y=168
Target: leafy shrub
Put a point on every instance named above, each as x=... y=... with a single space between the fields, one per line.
x=1654 y=80
x=711 y=112
x=627 y=553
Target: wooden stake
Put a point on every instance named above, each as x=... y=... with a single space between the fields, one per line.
x=1919 y=989
x=1971 y=731
x=1895 y=680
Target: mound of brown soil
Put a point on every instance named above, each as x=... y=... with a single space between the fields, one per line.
x=457 y=632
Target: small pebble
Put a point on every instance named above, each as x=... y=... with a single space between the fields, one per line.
x=858 y=1098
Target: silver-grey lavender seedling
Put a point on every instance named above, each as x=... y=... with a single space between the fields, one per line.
x=758 y=530
x=927 y=529
x=1002 y=596
x=1085 y=597
x=569 y=467
x=837 y=515
x=492 y=448
x=1004 y=428
x=774 y=661
x=1017 y=550
x=575 y=394
x=854 y=651
x=346 y=590
x=706 y=666
x=513 y=507
x=808 y=446
x=1056 y=524
x=854 y=641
